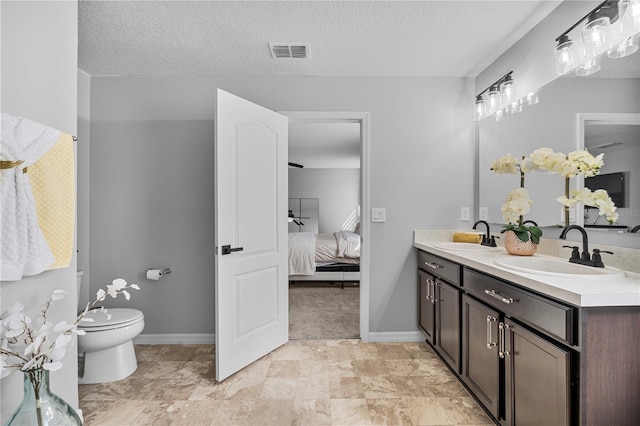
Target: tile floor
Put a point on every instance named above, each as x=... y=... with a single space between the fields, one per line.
x=312 y=382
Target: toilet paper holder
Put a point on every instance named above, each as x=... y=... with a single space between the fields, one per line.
x=157 y=273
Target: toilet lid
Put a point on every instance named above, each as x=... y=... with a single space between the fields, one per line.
x=118 y=316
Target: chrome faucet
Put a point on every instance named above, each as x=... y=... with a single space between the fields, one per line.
x=486 y=240
x=585 y=257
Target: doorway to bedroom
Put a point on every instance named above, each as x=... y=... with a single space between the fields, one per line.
x=327 y=284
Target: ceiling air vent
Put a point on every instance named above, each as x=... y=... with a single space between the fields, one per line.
x=289 y=50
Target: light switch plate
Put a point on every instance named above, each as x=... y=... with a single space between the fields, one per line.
x=464 y=214
x=378 y=214
x=484 y=213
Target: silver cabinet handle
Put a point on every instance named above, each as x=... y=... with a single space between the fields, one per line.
x=433 y=265
x=428 y=288
x=501 y=349
x=433 y=291
x=503 y=299
x=490 y=344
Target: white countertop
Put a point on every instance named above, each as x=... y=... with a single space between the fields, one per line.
x=584 y=292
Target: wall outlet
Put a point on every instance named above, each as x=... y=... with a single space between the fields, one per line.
x=484 y=213
x=572 y=215
x=378 y=214
x=464 y=214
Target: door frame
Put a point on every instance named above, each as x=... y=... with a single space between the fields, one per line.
x=362 y=118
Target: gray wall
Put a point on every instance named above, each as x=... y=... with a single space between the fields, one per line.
x=152 y=181
x=338 y=192
x=39 y=82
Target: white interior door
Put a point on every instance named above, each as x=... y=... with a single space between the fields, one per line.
x=252 y=304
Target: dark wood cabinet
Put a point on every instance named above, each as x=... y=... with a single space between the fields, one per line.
x=440 y=306
x=480 y=358
x=448 y=323
x=527 y=357
x=426 y=284
x=537 y=378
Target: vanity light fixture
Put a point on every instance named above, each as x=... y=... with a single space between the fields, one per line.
x=502 y=99
x=612 y=27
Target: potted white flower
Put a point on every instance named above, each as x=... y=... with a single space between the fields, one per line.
x=520 y=238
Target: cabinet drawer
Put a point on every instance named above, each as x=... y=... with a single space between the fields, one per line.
x=445 y=269
x=537 y=311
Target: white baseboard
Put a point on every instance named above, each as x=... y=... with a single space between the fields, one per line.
x=396 y=336
x=210 y=339
x=175 y=339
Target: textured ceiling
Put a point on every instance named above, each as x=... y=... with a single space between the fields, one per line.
x=347 y=38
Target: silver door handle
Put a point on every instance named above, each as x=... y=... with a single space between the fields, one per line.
x=433 y=265
x=503 y=299
x=501 y=349
x=490 y=344
x=433 y=291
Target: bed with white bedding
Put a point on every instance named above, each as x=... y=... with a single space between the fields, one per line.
x=324 y=257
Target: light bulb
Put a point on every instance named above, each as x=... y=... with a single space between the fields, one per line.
x=565 y=55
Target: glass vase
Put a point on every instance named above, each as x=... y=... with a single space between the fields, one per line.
x=41 y=407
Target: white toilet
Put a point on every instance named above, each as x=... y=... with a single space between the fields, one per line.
x=105 y=352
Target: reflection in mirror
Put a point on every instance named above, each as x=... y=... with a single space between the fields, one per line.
x=555 y=123
x=617 y=137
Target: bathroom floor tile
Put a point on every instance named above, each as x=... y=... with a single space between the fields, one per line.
x=316 y=382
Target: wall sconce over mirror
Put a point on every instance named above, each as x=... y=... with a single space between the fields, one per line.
x=502 y=99
x=613 y=27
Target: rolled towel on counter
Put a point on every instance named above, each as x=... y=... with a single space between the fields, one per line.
x=467 y=237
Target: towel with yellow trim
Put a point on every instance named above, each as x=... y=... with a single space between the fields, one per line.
x=53 y=183
x=23 y=247
x=466 y=237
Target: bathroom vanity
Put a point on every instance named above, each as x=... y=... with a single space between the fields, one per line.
x=530 y=348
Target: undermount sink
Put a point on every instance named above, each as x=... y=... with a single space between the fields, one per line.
x=556 y=267
x=466 y=247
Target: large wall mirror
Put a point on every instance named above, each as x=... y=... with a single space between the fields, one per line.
x=598 y=112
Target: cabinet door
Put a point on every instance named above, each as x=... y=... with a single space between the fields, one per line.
x=480 y=359
x=537 y=379
x=427 y=305
x=448 y=323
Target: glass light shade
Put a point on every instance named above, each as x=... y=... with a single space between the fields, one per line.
x=565 y=56
x=625 y=48
x=479 y=109
x=533 y=98
x=596 y=35
x=508 y=91
x=590 y=66
x=493 y=100
x=515 y=107
x=629 y=12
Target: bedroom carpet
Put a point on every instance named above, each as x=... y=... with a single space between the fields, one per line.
x=322 y=311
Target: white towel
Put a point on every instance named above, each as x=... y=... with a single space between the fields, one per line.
x=23 y=247
x=302 y=259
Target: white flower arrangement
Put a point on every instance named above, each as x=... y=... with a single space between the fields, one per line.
x=28 y=344
x=598 y=198
x=518 y=202
x=579 y=162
